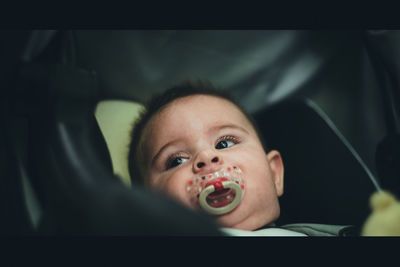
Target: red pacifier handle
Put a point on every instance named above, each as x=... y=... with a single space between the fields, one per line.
x=217 y=183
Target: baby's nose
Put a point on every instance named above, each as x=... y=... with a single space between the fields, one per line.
x=207 y=162
x=202 y=164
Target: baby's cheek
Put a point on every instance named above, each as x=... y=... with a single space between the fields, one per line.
x=159 y=183
x=262 y=180
x=175 y=188
x=155 y=182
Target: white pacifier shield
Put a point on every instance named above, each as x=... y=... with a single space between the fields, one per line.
x=201 y=188
x=220 y=210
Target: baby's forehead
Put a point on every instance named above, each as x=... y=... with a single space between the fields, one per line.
x=213 y=109
x=206 y=102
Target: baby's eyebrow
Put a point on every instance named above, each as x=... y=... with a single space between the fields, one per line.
x=160 y=151
x=224 y=126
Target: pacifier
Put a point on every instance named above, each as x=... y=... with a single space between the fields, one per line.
x=219 y=192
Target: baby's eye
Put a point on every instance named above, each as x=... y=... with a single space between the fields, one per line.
x=224 y=144
x=175 y=161
x=226 y=141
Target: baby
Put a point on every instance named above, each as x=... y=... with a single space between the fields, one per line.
x=202 y=149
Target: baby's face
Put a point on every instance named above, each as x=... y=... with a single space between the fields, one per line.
x=201 y=134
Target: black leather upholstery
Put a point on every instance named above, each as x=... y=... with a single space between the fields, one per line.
x=324 y=182
x=51 y=84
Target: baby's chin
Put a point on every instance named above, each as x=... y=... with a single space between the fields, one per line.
x=245 y=219
x=237 y=218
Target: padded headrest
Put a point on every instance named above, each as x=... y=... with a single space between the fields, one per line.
x=115 y=119
x=259 y=67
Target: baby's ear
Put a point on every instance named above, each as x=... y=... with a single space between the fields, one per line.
x=277 y=170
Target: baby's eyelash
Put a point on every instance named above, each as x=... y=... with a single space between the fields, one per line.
x=231 y=138
x=170 y=160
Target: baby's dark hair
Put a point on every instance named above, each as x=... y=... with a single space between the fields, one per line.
x=157 y=103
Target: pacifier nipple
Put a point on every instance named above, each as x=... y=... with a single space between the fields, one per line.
x=217 y=193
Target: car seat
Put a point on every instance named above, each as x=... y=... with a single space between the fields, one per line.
x=54 y=144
